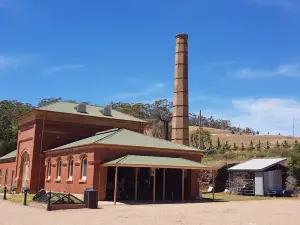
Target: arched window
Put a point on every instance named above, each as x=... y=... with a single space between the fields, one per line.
x=70 y=169
x=49 y=170
x=83 y=168
x=0 y=177
x=58 y=170
x=6 y=177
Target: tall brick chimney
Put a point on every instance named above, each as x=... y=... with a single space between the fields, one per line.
x=180 y=121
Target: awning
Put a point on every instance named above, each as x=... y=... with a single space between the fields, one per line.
x=156 y=162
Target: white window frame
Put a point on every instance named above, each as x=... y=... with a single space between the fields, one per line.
x=49 y=170
x=83 y=177
x=70 y=175
x=58 y=171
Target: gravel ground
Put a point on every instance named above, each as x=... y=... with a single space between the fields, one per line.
x=263 y=212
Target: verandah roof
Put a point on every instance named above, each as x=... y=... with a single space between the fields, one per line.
x=156 y=162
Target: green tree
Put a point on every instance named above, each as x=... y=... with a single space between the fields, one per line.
x=277 y=144
x=226 y=147
x=285 y=144
x=235 y=146
x=294 y=163
x=258 y=146
x=251 y=146
x=200 y=138
x=9 y=111
x=296 y=144
x=219 y=145
x=243 y=147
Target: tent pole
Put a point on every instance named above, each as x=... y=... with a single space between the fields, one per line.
x=116 y=185
x=136 y=183
x=154 y=184
x=182 y=184
x=164 y=184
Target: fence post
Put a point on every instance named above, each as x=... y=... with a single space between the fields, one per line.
x=5 y=190
x=25 y=197
x=48 y=201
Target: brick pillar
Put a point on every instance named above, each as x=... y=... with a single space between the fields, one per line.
x=180 y=121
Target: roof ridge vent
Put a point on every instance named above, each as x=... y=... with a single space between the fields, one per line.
x=106 y=110
x=81 y=107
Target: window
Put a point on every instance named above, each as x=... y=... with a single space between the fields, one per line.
x=58 y=169
x=6 y=177
x=49 y=170
x=70 y=169
x=83 y=168
x=0 y=177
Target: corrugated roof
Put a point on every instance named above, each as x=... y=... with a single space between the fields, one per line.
x=155 y=161
x=10 y=155
x=127 y=138
x=67 y=107
x=257 y=164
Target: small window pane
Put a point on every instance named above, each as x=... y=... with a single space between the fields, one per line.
x=49 y=170
x=0 y=177
x=58 y=169
x=84 y=167
x=6 y=177
x=71 y=165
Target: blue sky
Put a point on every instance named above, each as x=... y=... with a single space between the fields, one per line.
x=244 y=56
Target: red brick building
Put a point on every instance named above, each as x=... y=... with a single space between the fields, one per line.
x=67 y=147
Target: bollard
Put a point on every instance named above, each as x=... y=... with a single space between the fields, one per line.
x=5 y=190
x=25 y=197
x=48 y=201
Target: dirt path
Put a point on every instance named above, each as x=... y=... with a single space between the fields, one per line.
x=264 y=212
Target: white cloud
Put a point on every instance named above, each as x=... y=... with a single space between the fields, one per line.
x=56 y=69
x=286 y=70
x=146 y=92
x=272 y=115
x=14 y=61
x=287 y=4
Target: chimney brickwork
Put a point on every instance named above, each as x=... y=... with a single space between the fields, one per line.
x=180 y=121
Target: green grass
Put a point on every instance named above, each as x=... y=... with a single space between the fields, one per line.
x=18 y=198
x=226 y=197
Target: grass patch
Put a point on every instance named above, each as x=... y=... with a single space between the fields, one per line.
x=226 y=197
x=16 y=198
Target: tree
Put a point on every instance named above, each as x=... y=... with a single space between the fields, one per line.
x=226 y=147
x=294 y=163
x=296 y=144
x=257 y=132
x=251 y=146
x=268 y=145
x=243 y=147
x=277 y=144
x=285 y=144
x=235 y=146
x=219 y=145
x=258 y=146
x=9 y=111
x=200 y=139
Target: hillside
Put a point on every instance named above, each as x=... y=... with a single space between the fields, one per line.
x=226 y=135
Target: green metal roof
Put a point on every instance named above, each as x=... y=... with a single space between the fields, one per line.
x=96 y=111
x=155 y=161
x=128 y=138
x=10 y=155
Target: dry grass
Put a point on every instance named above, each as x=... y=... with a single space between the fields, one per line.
x=226 y=135
x=226 y=197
